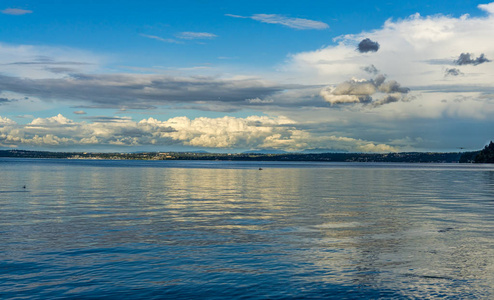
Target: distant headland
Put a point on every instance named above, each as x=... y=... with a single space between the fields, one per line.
x=482 y=156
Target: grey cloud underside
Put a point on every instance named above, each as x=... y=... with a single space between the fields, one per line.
x=371 y=69
x=106 y=119
x=222 y=107
x=387 y=99
x=391 y=86
x=139 y=91
x=375 y=92
x=60 y=70
x=51 y=65
x=367 y=45
x=295 y=97
x=47 y=60
x=122 y=107
x=4 y=100
x=438 y=61
x=463 y=59
x=457 y=88
x=466 y=59
x=453 y=72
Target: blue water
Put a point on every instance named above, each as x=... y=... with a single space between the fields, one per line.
x=88 y=229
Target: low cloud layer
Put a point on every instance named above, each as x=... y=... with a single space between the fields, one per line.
x=139 y=91
x=367 y=45
x=254 y=132
x=376 y=91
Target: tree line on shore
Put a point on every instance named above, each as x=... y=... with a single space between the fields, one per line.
x=485 y=155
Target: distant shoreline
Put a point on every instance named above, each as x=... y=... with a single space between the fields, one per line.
x=404 y=157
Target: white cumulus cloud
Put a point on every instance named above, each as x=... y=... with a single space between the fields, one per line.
x=411 y=51
x=489 y=8
x=254 y=132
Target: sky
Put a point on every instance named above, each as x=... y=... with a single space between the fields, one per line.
x=234 y=76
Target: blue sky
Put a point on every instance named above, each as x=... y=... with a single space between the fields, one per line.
x=239 y=75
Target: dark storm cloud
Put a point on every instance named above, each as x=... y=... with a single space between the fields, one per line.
x=466 y=59
x=139 y=91
x=453 y=72
x=367 y=45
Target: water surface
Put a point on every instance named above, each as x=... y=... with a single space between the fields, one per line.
x=207 y=229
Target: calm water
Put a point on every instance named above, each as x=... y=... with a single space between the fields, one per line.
x=222 y=230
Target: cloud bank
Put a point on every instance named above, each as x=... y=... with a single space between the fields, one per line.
x=139 y=91
x=254 y=132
